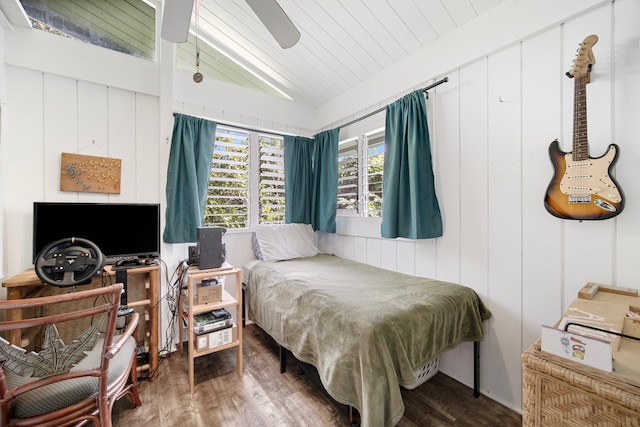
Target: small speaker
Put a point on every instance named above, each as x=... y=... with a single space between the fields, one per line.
x=211 y=250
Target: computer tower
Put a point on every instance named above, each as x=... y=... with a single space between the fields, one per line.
x=211 y=250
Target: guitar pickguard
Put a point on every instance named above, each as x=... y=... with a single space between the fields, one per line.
x=590 y=177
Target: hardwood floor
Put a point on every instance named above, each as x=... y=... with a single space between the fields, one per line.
x=264 y=397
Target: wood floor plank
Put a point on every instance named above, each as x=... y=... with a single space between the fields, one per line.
x=264 y=397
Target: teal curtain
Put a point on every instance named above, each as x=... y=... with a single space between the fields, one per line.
x=311 y=180
x=298 y=178
x=325 y=181
x=188 y=177
x=409 y=205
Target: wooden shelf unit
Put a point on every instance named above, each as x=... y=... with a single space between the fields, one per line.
x=143 y=284
x=195 y=276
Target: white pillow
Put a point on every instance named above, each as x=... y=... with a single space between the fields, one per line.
x=280 y=242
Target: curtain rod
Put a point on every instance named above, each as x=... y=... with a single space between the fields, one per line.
x=425 y=89
x=240 y=126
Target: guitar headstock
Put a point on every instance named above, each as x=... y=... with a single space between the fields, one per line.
x=584 y=58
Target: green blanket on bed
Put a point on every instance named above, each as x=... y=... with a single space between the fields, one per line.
x=365 y=329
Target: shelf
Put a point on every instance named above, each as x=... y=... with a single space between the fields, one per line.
x=204 y=352
x=193 y=277
x=227 y=301
x=140 y=303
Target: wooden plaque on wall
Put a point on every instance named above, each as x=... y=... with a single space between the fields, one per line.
x=90 y=174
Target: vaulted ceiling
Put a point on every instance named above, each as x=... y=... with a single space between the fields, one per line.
x=343 y=42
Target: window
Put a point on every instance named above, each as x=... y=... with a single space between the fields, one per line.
x=348 y=175
x=272 y=209
x=373 y=165
x=360 y=171
x=127 y=26
x=234 y=180
x=228 y=194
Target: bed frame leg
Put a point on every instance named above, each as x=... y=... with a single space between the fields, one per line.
x=476 y=369
x=244 y=298
x=354 y=417
x=283 y=359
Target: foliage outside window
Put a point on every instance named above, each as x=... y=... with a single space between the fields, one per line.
x=360 y=172
x=272 y=207
x=239 y=194
x=348 y=175
x=374 y=171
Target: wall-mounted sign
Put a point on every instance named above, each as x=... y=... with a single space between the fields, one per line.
x=90 y=174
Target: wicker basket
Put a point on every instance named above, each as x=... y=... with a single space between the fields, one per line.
x=559 y=392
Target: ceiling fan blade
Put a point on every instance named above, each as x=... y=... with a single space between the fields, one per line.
x=176 y=20
x=276 y=21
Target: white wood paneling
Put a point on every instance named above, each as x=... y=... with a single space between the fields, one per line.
x=360 y=249
x=627 y=135
x=542 y=75
x=373 y=252
x=444 y=105
x=22 y=165
x=149 y=146
x=425 y=262
x=389 y=254
x=474 y=203
x=121 y=139
x=503 y=289
x=406 y=257
x=93 y=135
x=60 y=131
x=474 y=191
x=38 y=50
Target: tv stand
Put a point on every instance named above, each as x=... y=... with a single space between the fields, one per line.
x=143 y=296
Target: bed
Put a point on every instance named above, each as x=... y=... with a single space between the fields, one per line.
x=365 y=329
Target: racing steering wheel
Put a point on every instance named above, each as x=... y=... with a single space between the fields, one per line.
x=69 y=262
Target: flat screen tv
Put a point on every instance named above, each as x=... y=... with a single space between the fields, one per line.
x=120 y=230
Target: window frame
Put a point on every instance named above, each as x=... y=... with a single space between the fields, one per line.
x=362 y=200
x=254 y=164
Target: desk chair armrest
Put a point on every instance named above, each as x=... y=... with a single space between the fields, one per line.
x=130 y=331
x=65 y=376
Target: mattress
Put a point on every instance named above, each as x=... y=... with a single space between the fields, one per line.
x=246 y=269
x=367 y=330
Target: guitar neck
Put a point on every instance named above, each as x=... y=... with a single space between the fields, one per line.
x=580 y=142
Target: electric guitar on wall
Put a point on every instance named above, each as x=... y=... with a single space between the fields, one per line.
x=583 y=187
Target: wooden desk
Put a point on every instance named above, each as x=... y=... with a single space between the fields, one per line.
x=143 y=284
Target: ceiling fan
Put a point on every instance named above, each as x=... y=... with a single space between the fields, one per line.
x=176 y=20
